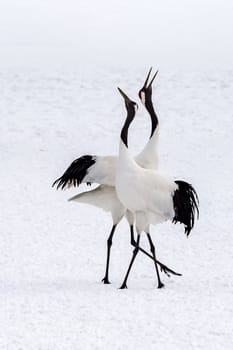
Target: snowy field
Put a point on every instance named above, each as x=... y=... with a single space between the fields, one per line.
x=53 y=252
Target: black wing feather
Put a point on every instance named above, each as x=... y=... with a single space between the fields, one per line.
x=185 y=202
x=76 y=172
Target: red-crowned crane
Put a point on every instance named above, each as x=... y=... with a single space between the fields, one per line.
x=152 y=197
x=102 y=170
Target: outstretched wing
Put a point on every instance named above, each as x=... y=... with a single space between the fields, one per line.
x=88 y=169
x=103 y=197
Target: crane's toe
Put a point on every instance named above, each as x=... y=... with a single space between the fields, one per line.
x=105 y=280
x=123 y=286
x=164 y=270
x=161 y=285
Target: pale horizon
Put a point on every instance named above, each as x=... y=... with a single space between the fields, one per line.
x=184 y=34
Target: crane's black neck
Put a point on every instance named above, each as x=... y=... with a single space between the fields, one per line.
x=128 y=121
x=153 y=115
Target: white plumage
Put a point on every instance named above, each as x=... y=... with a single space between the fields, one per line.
x=144 y=190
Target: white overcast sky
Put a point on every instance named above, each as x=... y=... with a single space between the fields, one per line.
x=180 y=32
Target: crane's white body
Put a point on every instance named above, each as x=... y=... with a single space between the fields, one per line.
x=144 y=192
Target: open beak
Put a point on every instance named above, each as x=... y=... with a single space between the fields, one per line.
x=145 y=86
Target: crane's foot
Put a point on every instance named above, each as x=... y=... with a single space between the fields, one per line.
x=123 y=286
x=167 y=271
x=105 y=280
x=161 y=285
x=164 y=270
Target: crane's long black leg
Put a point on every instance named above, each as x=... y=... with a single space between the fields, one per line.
x=152 y=248
x=109 y=244
x=163 y=267
x=132 y=240
x=124 y=285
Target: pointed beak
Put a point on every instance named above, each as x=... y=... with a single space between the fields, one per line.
x=147 y=78
x=126 y=98
x=153 y=79
x=145 y=86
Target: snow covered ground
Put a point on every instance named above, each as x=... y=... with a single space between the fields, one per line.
x=52 y=253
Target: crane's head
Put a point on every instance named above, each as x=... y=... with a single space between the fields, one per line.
x=131 y=106
x=146 y=91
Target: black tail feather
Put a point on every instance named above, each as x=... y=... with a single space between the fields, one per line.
x=76 y=172
x=185 y=202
